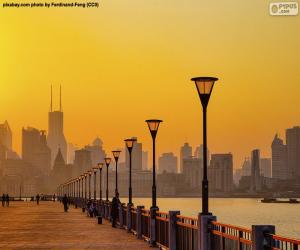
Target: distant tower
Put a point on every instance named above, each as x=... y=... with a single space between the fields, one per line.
x=56 y=138
x=255 y=171
x=185 y=153
x=279 y=159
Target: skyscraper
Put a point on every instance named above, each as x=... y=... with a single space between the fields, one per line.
x=56 y=138
x=35 y=150
x=293 y=152
x=167 y=162
x=97 y=152
x=185 y=153
x=5 y=136
x=265 y=167
x=82 y=162
x=145 y=160
x=198 y=153
x=255 y=171
x=279 y=159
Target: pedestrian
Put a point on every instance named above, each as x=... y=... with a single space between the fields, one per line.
x=37 y=199
x=65 y=202
x=3 y=200
x=7 y=200
x=115 y=209
x=54 y=198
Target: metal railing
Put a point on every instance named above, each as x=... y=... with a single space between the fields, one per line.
x=162 y=229
x=229 y=237
x=146 y=224
x=133 y=220
x=124 y=213
x=283 y=243
x=187 y=233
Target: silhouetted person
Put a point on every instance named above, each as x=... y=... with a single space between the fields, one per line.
x=37 y=199
x=54 y=198
x=65 y=202
x=115 y=209
x=7 y=200
x=3 y=200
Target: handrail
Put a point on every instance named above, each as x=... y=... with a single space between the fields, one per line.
x=246 y=230
x=282 y=238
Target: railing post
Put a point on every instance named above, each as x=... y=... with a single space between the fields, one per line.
x=153 y=221
x=173 y=229
x=139 y=225
x=128 y=217
x=204 y=235
x=121 y=215
x=260 y=239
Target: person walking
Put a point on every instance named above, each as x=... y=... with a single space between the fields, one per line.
x=37 y=199
x=115 y=209
x=3 y=200
x=54 y=197
x=7 y=200
x=65 y=202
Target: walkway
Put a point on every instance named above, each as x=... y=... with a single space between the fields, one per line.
x=24 y=225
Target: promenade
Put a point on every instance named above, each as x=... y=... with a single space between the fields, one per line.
x=24 y=225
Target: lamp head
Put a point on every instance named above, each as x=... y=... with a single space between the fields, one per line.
x=107 y=161
x=153 y=125
x=116 y=154
x=129 y=143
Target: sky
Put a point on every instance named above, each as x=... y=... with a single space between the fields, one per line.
x=131 y=60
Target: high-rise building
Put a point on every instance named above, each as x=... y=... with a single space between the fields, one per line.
x=193 y=171
x=279 y=159
x=185 y=153
x=167 y=162
x=246 y=167
x=265 y=167
x=71 y=153
x=5 y=136
x=35 y=150
x=97 y=152
x=255 y=171
x=293 y=152
x=136 y=162
x=56 y=138
x=145 y=160
x=82 y=162
x=198 y=153
x=221 y=172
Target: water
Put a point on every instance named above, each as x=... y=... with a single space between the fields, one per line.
x=240 y=212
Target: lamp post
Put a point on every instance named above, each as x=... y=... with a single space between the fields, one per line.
x=129 y=145
x=82 y=177
x=100 y=166
x=153 y=125
x=204 y=87
x=116 y=154
x=85 y=175
x=90 y=173
x=95 y=172
x=107 y=162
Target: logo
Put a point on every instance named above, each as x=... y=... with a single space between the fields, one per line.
x=283 y=9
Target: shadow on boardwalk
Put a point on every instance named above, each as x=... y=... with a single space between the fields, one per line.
x=24 y=225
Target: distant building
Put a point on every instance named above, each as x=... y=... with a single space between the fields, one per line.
x=198 y=153
x=237 y=176
x=293 y=152
x=192 y=172
x=137 y=154
x=265 y=167
x=82 y=162
x=221 y=173
x=71 y=153
x=5 y=136
x=35 y=150
x=185 y=153
x=167 y=162
x=246 y=167
x=56 y=138
x=145 y=160
x=279 y=159
x=97 y=152
x=255 y=171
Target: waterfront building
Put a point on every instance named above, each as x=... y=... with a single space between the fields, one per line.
x=35 y=149
x=246 y=167
x=185 y=153
x=5 y=136
x=193 y=171
x=167 y=162
x=145 y=160
x=265 y=167
x=198 y=153
x=97 y=152
x=56 y=138
x=293 y=152
x=279 y=159
x=82 y=162
x=255 y=171
x=221 y=173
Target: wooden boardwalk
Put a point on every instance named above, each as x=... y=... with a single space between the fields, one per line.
x=24 y=225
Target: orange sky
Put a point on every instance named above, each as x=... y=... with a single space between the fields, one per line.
x=131 y=60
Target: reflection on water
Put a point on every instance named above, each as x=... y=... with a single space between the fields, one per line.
x=240 y=212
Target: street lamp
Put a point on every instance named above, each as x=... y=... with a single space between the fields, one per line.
x=107 y=162
x=116 y=154
x=153 y=125
x=90 y=173
x=82 y=177
x=95 y=172
x=129 y=145
x=204 y=87
x=100 y=166
x=85 y=175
